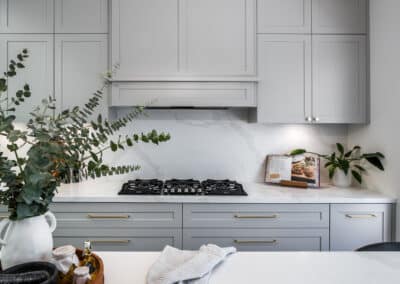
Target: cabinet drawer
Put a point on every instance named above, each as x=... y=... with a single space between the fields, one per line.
x=259 y=239
x=255 y=215
x=96 y=215
x=128 y=240
x=357 y=225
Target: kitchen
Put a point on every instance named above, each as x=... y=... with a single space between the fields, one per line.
x=225 y=83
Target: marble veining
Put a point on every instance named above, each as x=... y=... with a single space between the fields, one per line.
x=218 y=144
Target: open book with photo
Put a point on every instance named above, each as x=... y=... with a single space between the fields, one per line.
x=303 y=168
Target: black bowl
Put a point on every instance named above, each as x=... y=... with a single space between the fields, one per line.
x=35 y=266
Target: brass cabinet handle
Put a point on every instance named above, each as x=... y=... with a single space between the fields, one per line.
x=110 y=241
x=360 y=216
x=95 y=216
x=237 y=216
x=254 y=242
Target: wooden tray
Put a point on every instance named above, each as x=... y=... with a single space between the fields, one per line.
x=100 y=273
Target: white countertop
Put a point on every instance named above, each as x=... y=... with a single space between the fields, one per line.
x=107 y=191
x=271 y=267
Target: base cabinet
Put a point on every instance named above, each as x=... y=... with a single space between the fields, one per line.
x=357 y=225
x=248 y=227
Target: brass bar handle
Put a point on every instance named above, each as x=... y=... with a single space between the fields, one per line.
x=95 y=216
x=274 y=216
x=110 y=241
x=3 y=216
x=254 y=242
x=360 y=216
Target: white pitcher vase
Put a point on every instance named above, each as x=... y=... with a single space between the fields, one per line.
x=27 y=240
x=340 y=179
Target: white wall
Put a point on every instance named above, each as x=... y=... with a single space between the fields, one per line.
x=220 y=144
x=383 y=134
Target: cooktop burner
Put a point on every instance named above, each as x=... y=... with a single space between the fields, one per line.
x=182 y=187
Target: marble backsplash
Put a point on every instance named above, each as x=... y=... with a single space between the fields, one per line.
x=218 y=144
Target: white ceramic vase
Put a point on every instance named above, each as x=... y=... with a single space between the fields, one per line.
x=27 y=240
x=340 y=179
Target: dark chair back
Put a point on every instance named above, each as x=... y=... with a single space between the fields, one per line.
x=389 y=246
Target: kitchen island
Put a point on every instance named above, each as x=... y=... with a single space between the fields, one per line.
x=271 y=267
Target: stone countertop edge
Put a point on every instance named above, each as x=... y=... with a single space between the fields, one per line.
x=258 y=193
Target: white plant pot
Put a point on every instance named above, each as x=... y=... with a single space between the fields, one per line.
x=27 y=240
x=340 y=179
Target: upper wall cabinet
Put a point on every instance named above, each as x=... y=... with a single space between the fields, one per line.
x=339 y=79
x=77 y=16
x=38 y=72
x=325 y=85
x=26 y=16
x=178 y=38
x=339 y=16
x=284 y=16
x=217 y=37
x=80 y=63
x=145 y=37
x=284 y=89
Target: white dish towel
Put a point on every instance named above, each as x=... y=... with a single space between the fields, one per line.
x=190 y=267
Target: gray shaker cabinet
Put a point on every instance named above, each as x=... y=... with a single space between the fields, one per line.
x=248 y=227
x=339 y=16
x=77 y=16
x=312 y=79
x=257 y=227
x=119 y=226
x=80 y=65
x=357 y=225
x=39 y=68
x=284 y=16
x=27 y=16
x=285 y=71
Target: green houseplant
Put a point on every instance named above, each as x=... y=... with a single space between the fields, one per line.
x=341 y=164
x=60 y=146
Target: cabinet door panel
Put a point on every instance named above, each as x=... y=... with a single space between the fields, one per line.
x=284 y=16
x=81 y=61
x=339 y=79
x=38 y=72
x=357 y=225
x=218 y=37
x=77 y=16
x=145 y=37
x=26 y=16
x=284 y=68
x=258 y=239
x=339 y=16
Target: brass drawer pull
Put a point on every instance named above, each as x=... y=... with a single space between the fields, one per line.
x=254 y=242
x=360 y=216
x=3 y=216
x=237 y=216
x=95 y=216
x=110 y=241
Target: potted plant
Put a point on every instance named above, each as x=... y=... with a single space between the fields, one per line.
x=60 y=146
x=340 y=164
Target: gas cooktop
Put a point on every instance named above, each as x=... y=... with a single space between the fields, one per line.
x=182 y=187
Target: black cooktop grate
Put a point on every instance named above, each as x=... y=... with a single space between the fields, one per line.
x=182 y=187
